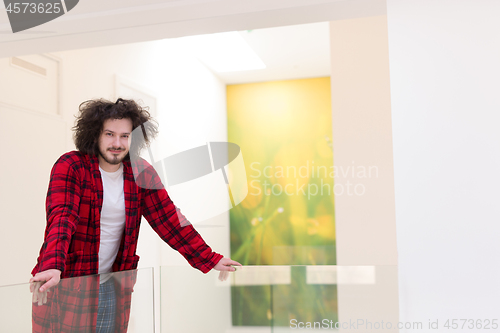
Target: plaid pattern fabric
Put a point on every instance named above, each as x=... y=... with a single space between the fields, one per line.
x=106 y=311
x=71 y=307
x=72 y=234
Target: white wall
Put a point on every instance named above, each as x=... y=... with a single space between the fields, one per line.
x=445 y=69
x=32 y=136
x=362 y=142
x=31 y=142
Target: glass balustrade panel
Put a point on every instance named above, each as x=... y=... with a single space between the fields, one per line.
x=280 y=298
x=122 y=299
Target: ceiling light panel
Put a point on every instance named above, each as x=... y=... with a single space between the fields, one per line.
x=223 y=52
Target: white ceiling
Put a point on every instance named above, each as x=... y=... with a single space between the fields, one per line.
x=290 y=36
x=94 y=23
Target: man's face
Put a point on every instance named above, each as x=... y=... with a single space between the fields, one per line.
x=114 y=143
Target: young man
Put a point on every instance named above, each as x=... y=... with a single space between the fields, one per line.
x=94 y=208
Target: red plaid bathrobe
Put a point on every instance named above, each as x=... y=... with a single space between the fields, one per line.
x=72 y=235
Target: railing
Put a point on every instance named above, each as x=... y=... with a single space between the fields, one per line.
x=254 y=299
x=263 y=299
x=73 y=304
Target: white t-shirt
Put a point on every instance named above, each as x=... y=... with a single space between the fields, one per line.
x=112 y=218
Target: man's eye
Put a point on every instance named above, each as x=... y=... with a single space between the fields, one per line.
x=108 y=134
x=125 y=136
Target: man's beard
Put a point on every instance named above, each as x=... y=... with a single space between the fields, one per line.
x=115 y=159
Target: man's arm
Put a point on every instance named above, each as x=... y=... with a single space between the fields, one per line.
x=173 y=227
x=62 y=202
x=63 y=199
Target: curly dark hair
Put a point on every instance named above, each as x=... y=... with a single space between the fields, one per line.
x=93 y=113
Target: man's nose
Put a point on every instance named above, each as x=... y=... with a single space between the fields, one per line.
x=116 y=142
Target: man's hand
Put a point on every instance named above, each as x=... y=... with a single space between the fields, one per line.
x=41 y=282
x=225 y=266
